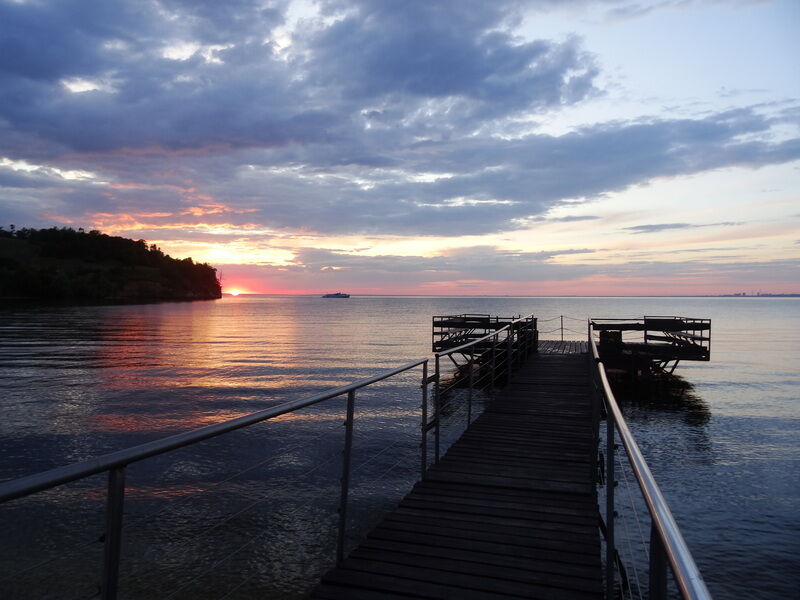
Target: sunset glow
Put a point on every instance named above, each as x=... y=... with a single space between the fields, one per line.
x=514 y=148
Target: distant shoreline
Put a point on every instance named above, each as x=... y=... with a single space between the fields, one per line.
x=68 y=267
x=356 y=295
x=34 y=302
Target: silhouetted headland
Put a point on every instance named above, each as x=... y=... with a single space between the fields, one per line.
x=65 y=265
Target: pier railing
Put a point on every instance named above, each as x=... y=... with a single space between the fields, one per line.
x=666 y=546
x=486 y=361
x=116 y=463
x=489 y=361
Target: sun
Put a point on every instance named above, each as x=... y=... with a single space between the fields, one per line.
x=234 y=292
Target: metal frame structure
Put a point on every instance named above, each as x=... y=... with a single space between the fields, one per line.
x=664 y=339
x=667 y=546
x=498 y=352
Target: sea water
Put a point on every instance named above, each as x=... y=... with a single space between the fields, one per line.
x=253 y=512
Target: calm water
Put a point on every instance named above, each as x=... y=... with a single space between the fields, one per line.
x=254 y=512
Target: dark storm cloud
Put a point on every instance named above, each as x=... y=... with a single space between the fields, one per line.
x=390 y=52
x=151 y=100
x=484 y=184
x=379 y=119
x=20 y=179
x=217 y=22
x=44 y=41
x=382 y=53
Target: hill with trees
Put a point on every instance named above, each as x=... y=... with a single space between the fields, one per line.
x=65 y=265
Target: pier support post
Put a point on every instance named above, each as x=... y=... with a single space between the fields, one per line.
x=611 y=551
x=495 y=341
x=345 y=488
x=658 y=566
x=471 y=383
x=113 y=534
x=509 y=351
x=423 y=455
x=437 y=409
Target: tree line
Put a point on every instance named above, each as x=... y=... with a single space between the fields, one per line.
x=64 y=264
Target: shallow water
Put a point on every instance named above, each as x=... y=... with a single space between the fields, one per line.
x=254 y=511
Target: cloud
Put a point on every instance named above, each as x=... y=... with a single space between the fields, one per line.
x=571 y=218
x=487 y=269
x=372 y=117
x=403 y=57
x=658 y=227
x=633 y=10
x=318 y=268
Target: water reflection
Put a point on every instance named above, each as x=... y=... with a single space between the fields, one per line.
x=665 y=393
x=79 y=382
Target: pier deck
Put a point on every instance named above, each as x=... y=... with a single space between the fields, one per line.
x=510 y=511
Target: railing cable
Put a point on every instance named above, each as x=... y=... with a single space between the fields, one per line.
x=627 y=537
x=252 y=539
x=670 y=546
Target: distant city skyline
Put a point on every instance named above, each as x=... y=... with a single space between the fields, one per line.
x=577 y=147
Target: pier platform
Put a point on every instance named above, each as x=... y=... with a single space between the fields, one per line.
x=510 y=510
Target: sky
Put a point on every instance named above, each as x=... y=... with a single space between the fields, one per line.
x=543 y=147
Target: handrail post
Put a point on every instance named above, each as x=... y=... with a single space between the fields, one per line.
x=562 y=328
x=113 y=533
x=509 y=351
x=610 y=549
x=658 y=566
x=424 y=426
x=531 y=329
x=522 y=336
x=437 y=408
x=345 y=487
x=471 y=383
x=495 y=341
x=528 y=336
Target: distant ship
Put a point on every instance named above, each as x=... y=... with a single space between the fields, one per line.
x=337 y=295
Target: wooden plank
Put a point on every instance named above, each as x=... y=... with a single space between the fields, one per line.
x=328 y=591
x=381 y=583
x=465 y=564
x=441 y=537
x=531 y=538
x=461 y=580
x=512 y=507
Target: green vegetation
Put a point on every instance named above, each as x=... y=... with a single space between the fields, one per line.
x=65 y=265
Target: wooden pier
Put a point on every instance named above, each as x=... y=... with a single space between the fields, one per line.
x=510 y=511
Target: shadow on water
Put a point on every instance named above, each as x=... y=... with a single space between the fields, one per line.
x=664 y=393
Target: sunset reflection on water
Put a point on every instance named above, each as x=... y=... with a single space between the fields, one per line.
x=90 y=380
x=79 y=382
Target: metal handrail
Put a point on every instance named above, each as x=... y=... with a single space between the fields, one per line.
x=487 y=336
x=507 y=360
x=31 y=484
x=115 y=464
x=664 y=532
